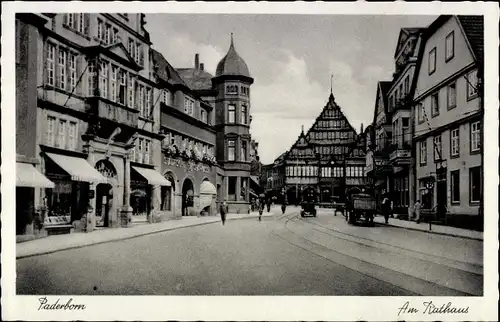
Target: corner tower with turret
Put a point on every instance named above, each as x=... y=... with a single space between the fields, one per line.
x=232 y=83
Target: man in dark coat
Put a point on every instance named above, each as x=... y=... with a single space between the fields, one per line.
x=223 y=212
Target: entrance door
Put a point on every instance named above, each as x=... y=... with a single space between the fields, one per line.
x=104 y=201
x=441 y=199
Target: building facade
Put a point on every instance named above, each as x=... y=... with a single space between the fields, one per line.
x=97 y=122
x=188 y=147
x=323 y=158
x=389 y=161
x=448 y=120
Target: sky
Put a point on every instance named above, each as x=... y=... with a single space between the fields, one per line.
x=291 y=58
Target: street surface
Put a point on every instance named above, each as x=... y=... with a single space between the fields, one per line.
x=282 y=255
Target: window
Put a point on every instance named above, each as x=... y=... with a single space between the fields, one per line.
x=244 y=117
x=475 y=136
x=147 y=150
x=471 y=79
x=51 y=128
x=432 y=60
x=435 y=104
x=455 y=142
x=166 y=96
x=72 y=70
x=114 y=35
x=62 y=68
x=103 y=79
x=131 y=91
x=114 y=76
x=421 y=111
x=188 y=106
x=140 y=149
x=51 y=53
x=231 y=146
x=450 y=46
x=123 y=87
x=407 y=85
x=81 y=23
x=131 y=47
x=149 y=103
x=231 y=113
x=231 y=188
x=204 y=116
x=100 y=29
x=243 y=154
x=423 y=152
x=455 y=186
x=437 y=148
x=107 y=39
x=91 y=78
x=72 y=136
x=451 y=95
x=141 y=100
x=475 y=184
x=61 y=134
x=232 y=89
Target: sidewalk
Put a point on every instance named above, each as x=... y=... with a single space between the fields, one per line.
x=436 y=229
x=57 y=243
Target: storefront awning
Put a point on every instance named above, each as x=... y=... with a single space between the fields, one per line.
x=207 y=187
x=28 y=176
x=255 y=179
x=79 y=169
x=153 y=177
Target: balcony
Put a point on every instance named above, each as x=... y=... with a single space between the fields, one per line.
x=112 y=111
x=401 y=154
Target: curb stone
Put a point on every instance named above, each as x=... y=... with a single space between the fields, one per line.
x=432 y=232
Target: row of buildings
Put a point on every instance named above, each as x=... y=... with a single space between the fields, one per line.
x=109 y=133
x=425 y=140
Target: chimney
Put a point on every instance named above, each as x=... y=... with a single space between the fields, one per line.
x=196 y=61
x=202 y=66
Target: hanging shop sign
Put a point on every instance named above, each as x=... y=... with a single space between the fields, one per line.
x=189 y=166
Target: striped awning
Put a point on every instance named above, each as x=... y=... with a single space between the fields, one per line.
x=28 y=176
x=79 y=169
x=152 y=177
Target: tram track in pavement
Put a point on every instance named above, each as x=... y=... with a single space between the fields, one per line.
x=406 y=282
x=472 y=268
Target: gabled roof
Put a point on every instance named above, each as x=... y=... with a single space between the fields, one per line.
x=197 y=79
x=404 y=33
x=473 y=27
x=165 y=71
x=382 y=90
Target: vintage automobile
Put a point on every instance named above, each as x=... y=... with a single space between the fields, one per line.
x=360 y=205
x=308 y=203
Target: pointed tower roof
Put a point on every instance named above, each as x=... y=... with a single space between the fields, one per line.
x=232 y=64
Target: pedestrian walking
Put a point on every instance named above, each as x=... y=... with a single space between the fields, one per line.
x=223 y=212
x=269 y=201
x=416 y=207
x=261 y=208
x=386 y=205
x=283 y=207
x=391 y=209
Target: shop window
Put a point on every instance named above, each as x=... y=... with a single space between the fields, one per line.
x=231 y=188
x=243 y=189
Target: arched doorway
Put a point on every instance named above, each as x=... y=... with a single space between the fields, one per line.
x=208 y=193
x=167 y=193
x=104 y=193
x=187 y=196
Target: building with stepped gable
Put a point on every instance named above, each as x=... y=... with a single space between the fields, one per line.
x=329 y=157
